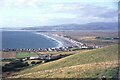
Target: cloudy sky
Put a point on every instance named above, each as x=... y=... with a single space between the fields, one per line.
x=29 y=13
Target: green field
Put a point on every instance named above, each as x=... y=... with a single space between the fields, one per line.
x=90 y=64
x=25 y=54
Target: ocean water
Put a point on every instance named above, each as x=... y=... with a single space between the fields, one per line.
x=26 y=39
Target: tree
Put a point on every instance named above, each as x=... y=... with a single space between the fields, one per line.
x=26 y=64
x=38 y=62
x=33 y=62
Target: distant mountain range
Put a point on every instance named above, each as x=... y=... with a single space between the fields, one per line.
x=88 y=26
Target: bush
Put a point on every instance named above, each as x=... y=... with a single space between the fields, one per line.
x=14 y=65
x=26 y=64
x=38 y=62
x=11 y=59
x=8 y=67
x=33 y=62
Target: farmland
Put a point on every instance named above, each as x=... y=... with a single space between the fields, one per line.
x=14 y=55
x=25 y=54
x=8 y=54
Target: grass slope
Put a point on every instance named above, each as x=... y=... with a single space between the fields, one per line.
x=83 y=71
x=93 y=62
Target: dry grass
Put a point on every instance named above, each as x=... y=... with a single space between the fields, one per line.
x=8 y=54
x=79 y=71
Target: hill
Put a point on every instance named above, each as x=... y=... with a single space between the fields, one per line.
x=91 y=64
x=90 y=26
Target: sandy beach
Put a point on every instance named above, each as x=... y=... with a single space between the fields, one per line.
x=62 y=41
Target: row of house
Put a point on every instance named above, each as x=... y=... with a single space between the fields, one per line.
x=38 y=50
x=79 y=46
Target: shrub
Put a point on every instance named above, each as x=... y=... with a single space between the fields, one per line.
x=38 y=62
x=33 y=62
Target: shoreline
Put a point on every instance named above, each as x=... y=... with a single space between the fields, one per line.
x=60 y=43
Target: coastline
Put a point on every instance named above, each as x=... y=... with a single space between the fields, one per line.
x=58 y=40
x=60 y=43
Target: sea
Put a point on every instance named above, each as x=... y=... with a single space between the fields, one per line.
x=27 y=40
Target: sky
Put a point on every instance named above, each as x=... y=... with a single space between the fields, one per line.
x=30 y=13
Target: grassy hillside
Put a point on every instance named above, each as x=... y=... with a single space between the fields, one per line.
x=86 y=64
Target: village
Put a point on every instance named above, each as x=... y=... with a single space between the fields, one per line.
x=50 y=49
